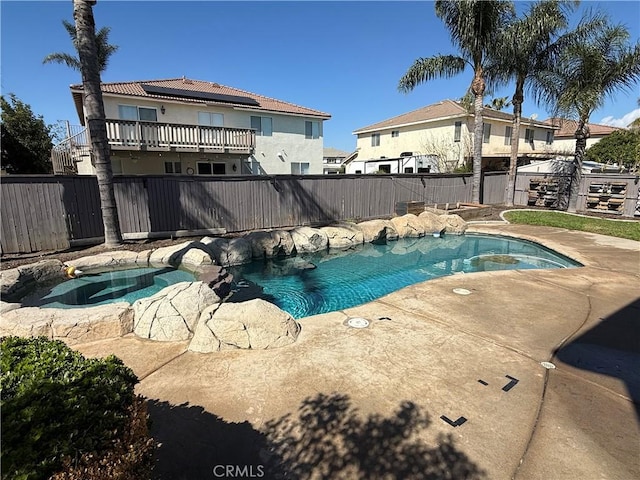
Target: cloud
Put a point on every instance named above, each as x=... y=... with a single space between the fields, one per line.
x=621 y=122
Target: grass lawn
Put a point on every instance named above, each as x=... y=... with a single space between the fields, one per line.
x=614 y=228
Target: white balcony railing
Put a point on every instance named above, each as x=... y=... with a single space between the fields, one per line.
x=126 y=135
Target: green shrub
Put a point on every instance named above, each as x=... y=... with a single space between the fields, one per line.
x=55 y=404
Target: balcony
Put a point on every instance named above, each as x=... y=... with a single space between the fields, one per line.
x=153 y=136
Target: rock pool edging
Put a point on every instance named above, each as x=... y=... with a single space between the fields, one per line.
x=196 y=311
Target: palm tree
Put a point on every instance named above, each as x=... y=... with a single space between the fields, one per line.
x=499 y=103
x=105 y=50
x=474 y=26
x=525 y=48
x=87 y=47
x=586 y=73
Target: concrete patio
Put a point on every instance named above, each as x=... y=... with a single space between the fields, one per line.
x=449 y=386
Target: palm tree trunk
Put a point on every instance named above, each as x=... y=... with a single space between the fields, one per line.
x=478 y=90
x=95 y=117
x=518 y=98
x=581 y=135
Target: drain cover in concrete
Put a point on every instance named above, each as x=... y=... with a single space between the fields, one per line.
x=548 y=365
x=462 y=291
x=358 y=322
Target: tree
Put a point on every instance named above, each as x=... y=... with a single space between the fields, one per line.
x=524 y=49
x=26 y=139
x=105 y=50
x=586 y=73
x=87 y=47
x=498 y=103
x=621 y=147
x=474 y=26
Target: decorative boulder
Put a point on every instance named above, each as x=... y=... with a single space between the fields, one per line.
x=255 y=324
x=217 y=279
x=431 y=222
x=193 y=254
x=172 y=313
x=111 y=259
x=408 y=226
x=229 y=252
x=378 y=231
x=343 y=236
x=271 y=244
x=17 y=282
x=454 y=224
x=71 y=325
x=309 y=240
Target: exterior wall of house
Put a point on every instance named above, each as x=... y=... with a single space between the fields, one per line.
x=285 y=151
x=438 y=138
x=433 y=138
x=567 y=146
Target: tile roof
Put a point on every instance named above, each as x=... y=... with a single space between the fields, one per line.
x=135 y=89
x=567 y=128
x=334 y=152
x=437 y=111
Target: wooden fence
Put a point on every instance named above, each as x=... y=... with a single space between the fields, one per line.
x=48 y=212
x=55 y=212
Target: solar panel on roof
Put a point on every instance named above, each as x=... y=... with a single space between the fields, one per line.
x=216 y=97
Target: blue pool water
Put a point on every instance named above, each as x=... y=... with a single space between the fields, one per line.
x=93 y=289
x=325 y=282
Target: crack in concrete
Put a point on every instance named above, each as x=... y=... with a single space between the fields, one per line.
x=545 y=384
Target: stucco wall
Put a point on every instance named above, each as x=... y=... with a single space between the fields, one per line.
x=288 y=138
x=437 y=138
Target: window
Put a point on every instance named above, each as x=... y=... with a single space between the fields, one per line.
x=172 y=167
x=395 y=133
x=298 y=168
x=211 y=119
x=384 y=168
x=424 y=169
x=210 y=168
x=408 y=169
x=311 y=129
x=458 y=132
x=549 y=138
x=528 y=135
x=262 y=125
x=486 y=132
x=507 y=135
x=131 y=112
x=375 y=139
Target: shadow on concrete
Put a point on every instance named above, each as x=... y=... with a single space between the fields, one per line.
x=193 y=442
x=612 y=347
x=327 y=439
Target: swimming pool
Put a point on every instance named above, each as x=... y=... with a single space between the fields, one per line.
x=324 y=282
x=100 y=288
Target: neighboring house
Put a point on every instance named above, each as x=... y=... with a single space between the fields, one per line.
x=564 y=142
x=184 y=126
x=332 y=160
x=444 y=130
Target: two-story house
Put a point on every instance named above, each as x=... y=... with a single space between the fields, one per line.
x=442 y=133
x=332 y=160
x=194 y=127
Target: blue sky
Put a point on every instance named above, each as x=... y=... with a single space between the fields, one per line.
x=343 y=58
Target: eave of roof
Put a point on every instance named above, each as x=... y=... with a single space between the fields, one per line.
x=135 y=89
x=567 y=127
x=444 y=110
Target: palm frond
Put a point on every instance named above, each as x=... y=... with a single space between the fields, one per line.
x=424 y=69
x=63 y=58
